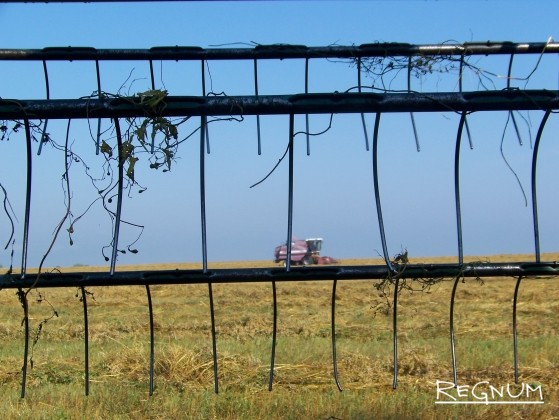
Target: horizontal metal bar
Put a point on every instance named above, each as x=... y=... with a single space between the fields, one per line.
x=93 y=1
x=110 y=1
x=280 y=51
x=313 y=103
x=251 y=275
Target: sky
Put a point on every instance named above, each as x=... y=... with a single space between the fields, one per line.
x=333 y=193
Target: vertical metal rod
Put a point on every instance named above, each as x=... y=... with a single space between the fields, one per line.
x=516 y=129
x=377 y=195
x=99 y=93
x=534 y=193
x=289 y=241
x=514 y=330
x=290 y=194
x=515 y=124
x=152 y=77
x=395 y=335
x=257 y=116
x=307 y=129
x=151 y=342
x=151 y=74
x=21 y=294
x=214 y=340
x=364 y=123
x=457 y=188
x=204 y=94
x=460 y=89
x=334 y=358
x=205 y=246
x=29 y=173
x=384 y=245
x=362 y=114
x=119 y=197
x=417 y=146
x=459 y=236
x=203 y=195
x=86 y=340
x=469 y=134
x=452 y=343
x=44 y=133
x=274 y=335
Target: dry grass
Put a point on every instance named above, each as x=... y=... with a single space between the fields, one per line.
x=303 y=385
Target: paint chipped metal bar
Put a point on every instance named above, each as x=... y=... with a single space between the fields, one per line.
x=261 y=275
x=281 y=51
x=312 y=103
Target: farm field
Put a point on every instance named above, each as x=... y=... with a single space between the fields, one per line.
x=303 y=386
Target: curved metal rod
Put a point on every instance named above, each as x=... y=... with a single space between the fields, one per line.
x=460 y=90
x=86 y=340
x=204 y=94
x=514 y=331
x=274 y=334
x=151 y=342
x=307 y=128
x=99 y=93
x=460 y=243
x=384 y=245
x=395 y=334
x=377 y=196
x=334 y=358
x=290 y=194
x=452 y=342
x=534 y=193
x=515 y=124
x=119 y=197
x=363 y=122
x=256 y=94
x=44 y=132
x=457 y=189
x=415 y=135
x=214 y=339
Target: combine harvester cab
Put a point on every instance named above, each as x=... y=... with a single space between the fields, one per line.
x=303 y=252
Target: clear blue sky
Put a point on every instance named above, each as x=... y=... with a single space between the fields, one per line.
x=334 y=196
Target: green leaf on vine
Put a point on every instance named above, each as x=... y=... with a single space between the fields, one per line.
x=106 y=149
x=131 y=164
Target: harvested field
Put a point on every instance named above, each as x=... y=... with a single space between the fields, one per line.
x=303 y=384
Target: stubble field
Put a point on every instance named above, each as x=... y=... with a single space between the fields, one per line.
x=303 y=384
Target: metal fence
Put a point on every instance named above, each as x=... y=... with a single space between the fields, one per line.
x=34 y=114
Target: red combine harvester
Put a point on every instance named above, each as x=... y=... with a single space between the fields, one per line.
x=303 y=252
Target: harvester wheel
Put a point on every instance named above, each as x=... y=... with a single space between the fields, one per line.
x=307 y=260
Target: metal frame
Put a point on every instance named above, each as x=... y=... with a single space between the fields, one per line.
x=116 y=108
